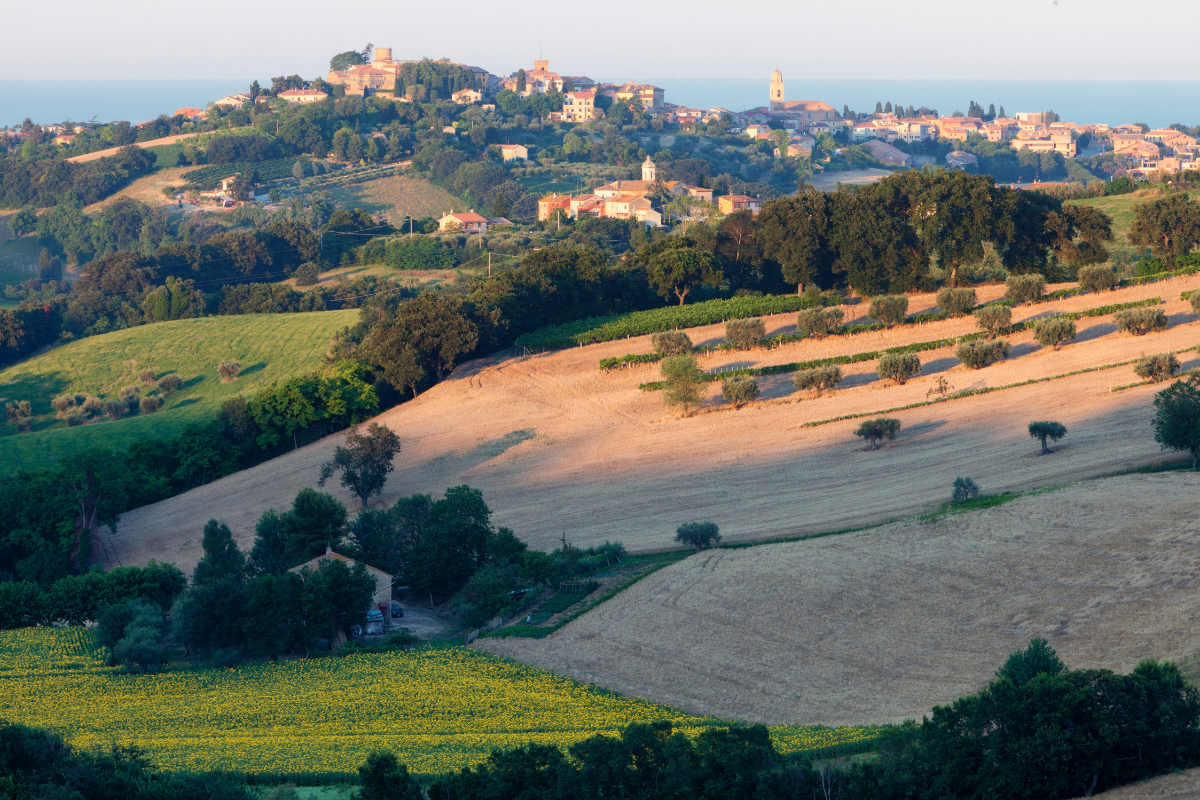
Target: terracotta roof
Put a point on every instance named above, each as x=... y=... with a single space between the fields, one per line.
x=466 y=216
x=315 y=562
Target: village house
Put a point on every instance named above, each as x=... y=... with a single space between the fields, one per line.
x=1128 y=128
x=509 y=152
x=729 y=203
x=190 y=114
x=381 y=599
x=364 y=79
x=232 y=101
x=464 y=221
x=1137 y=151
x=652 y=97
x=1176 y=140
x=302 y=96
x=887 y=154
x=1047 y=142
x=959 y=159
x=465 y=97
x=554 y=202
x=578 y=106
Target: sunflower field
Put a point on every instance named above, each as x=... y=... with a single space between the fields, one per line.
x=438 y=710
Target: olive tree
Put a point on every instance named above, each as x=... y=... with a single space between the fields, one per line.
x=877 y=429
x=1044 y=431
x=739 y=390
x=364 y=462
x=1194 y=300
x=1054 y=331
x=955 y=302
x=993 y=318
x=744 y=333
x=698 y=534
x=683 y=379
x=229 y=370
x=890 y=309
x=671 y=343
x=1177 y=418
x=169 y=383
x=1024 y=288
x=1140 y=321
x=978 y=355
x=819 y=322
x=965 y=489
x=1097 y=278
x=898 y=367
x=1157 y=367
x=818 y=379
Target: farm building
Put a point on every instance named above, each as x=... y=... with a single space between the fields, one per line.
x=382 y=599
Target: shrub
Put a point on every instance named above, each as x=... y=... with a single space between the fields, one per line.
x=129 y=392
x=307 y=274
x=91 y=405
x=1024 y=288
x=1096 y=278
x=819 y=322
x=890 y=309
x=1147 y=266
x=63 y=403
x=150 y=404
x=698 y=534
x=147 y=376
x=671 y=343
x=1194 y=300
x=1140 y=321
x=683 y=379
x=168 y=384
x=1046 y=430
x=744 y=333
x=739 y=390
x=116 y=408
x=898 y=367
x=228 y=370
x=818 y=379
x=1157 y=367
x=877 y=429
x=956 y=302
x=965 y=489
x=75 y=418
x=993 y=319
x=1054 y=331
x=978 y=355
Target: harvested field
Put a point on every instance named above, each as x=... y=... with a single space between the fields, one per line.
x=398 y=197
x=828 y=181
x=881 y=625
x=558 y=446
x=147 y=189
x=1180 y=786
x=112 y=151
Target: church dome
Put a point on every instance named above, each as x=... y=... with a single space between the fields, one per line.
x=776 y=77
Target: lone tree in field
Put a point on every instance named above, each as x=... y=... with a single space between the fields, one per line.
x=1177 y=418
x=978 y=355
x=955 y=302
x=993 y=319
x=1140 y=321
x=147 y=376
x=965 y=489
x=1194 y=300
x=1024 y=288
x=818 y=379
x=364 y=462
x=683 y=379
x=1157 y=367
x=1047 y=430
x=898 y=366
x=169 y=383
x=739 y=390
x=1055 y=331
x=819 y=322
x=229 y=370
x=878 y=429
x=698 y=534
x=671 y=343
x=890 y=309
x=745 y=334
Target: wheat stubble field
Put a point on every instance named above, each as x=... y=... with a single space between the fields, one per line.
x=559 y=447
x=881 y=625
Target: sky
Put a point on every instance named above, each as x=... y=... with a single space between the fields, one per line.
x=932 y=39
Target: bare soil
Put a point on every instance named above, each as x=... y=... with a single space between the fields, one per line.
x=1179 y=786
x=147 y=189
x=881 y=625
x=558 y=446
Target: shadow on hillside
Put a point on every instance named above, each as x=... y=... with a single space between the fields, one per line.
x=39 y=390
x=920 y=428
x=939 y=365
x=192 y=381
x=253 y=368
x=484 y=451
x=1095 y=332
x=1023 y=350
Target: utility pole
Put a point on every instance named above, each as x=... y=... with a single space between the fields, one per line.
x=489 y=263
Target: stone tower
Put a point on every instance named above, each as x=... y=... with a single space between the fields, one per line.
x=648 y=170
x=777 y=91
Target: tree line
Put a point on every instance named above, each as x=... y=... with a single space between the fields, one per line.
x=46 y=183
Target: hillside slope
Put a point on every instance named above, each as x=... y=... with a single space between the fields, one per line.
x=559 y=447
x=880 y=626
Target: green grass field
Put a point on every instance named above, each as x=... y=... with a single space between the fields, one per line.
x=398 y=197
x=437 y=709
x=268 y=346
x=19 y=259
x=1120 y=208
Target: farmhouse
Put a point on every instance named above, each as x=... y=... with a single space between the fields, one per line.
x=738 y=202
x=465 y=221
x=512 y=151
x=382 y=599
x=294 y=96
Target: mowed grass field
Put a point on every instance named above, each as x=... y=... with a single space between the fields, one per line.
x=438 y=710
x=882 y=624
x=397 y=196
x=1121 y=208
x=268 y=346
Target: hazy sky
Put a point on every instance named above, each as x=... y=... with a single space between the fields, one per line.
x=73 y=39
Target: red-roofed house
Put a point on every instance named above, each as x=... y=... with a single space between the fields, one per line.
x=192 y=114
x=578 y=106
x=730 y=203
x=293 y=96
x=382 y=599
x=466 y=221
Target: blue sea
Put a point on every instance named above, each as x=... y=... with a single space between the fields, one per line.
x=1157 y=103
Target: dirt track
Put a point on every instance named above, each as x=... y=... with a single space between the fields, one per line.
x=557 y=446
x=880 y=626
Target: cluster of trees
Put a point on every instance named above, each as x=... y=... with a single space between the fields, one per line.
x=80 y=599
x=46 y=183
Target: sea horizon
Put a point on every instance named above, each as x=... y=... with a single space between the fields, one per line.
x=1157 y=103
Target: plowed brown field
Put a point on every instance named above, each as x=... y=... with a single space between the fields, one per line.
x=881 y=625
x=558 y=446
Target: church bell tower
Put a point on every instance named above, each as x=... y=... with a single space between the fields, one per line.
x=776 y=91
x=648 y=170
